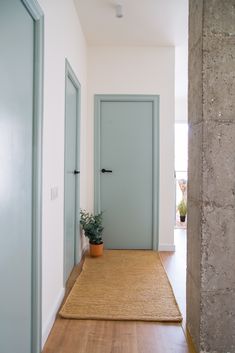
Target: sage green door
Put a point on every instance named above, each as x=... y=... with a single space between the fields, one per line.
x=72 y=171
x=18 y=179
x=126 y=171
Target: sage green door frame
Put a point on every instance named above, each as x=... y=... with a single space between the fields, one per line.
x=37 y=14
x=154 y=99
x=70 y=75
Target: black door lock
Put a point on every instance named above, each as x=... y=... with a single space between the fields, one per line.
x=76 y=172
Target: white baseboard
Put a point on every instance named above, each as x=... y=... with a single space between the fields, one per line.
x=46 y=329
x=166 y=247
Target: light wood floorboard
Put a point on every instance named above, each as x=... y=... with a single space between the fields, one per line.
x=93 y=336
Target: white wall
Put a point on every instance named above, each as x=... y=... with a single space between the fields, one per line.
x=181 y=83
x=63 y=38
x=140 y=70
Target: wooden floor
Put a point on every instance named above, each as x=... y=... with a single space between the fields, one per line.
x=90 y=336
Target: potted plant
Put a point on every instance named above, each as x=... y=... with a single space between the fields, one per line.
x=92 y=226
x=182 y=208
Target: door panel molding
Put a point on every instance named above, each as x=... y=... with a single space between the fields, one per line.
x=36 y=13
x=154 y=99
x=70 y=75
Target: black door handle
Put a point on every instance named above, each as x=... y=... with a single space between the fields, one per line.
x=106 y=171
x=76 y=172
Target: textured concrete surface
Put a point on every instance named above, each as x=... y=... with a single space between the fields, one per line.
x=195 y=161
x=218 y=249
x=193 y=310
x=211 y=192
x=195 y=61
x=217 y=334
x=219 y=163
x=194 y=228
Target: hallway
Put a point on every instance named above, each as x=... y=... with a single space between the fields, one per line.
x=91 y=336
x=57 y=58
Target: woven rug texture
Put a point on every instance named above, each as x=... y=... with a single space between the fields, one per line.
x=122 y=285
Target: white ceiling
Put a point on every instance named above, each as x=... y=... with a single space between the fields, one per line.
x=145 y=22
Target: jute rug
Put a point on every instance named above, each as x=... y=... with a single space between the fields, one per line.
x=122 y=285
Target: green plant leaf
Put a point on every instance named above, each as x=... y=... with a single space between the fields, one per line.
x=92 y=226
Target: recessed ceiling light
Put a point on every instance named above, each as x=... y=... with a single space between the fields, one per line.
x=119 y=11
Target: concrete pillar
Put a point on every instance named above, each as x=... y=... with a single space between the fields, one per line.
x=211 y=193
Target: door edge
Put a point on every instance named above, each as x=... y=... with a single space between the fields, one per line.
x=69 y=73
x=37 y=15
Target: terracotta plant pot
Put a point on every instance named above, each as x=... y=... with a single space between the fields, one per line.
x=96 y=249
